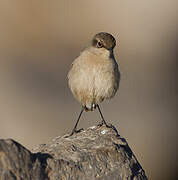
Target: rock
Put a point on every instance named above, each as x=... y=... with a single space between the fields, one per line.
x=97 y=153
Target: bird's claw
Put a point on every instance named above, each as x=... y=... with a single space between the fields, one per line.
x=100 y=124
x=74 y=132
x=107 y=125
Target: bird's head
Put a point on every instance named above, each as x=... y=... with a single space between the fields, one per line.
x=104 y=40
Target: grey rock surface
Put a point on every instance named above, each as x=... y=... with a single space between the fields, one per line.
x=96 y=153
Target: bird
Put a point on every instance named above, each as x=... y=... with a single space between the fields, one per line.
x=94 y=75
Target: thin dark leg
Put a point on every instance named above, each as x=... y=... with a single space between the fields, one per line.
x=103 y=121
x=75 y=127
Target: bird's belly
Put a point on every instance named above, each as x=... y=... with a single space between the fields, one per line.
x=93 y=86
x=104 y=85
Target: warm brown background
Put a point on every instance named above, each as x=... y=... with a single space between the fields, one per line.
x=40 y=38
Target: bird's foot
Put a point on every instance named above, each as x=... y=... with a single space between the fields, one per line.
x=109 y=126
x=74 y=132
x=100 y=124
x=104 y=123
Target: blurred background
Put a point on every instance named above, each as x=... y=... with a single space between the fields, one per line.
x=39 y=39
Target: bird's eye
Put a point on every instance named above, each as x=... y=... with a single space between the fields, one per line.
x=99 y=44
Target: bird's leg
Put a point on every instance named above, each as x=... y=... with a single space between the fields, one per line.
x=75 y=127
x=103 y=121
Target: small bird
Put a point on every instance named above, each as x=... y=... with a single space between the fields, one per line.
x=94 y=75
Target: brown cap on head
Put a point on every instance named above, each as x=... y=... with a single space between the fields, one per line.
x=104 y=40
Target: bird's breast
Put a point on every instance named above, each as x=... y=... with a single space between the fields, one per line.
x=92 y=78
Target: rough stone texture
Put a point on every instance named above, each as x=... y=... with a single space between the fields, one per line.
x=17 y=163
x=97 y=153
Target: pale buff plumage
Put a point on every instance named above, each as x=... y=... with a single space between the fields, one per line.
x=94 y=76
